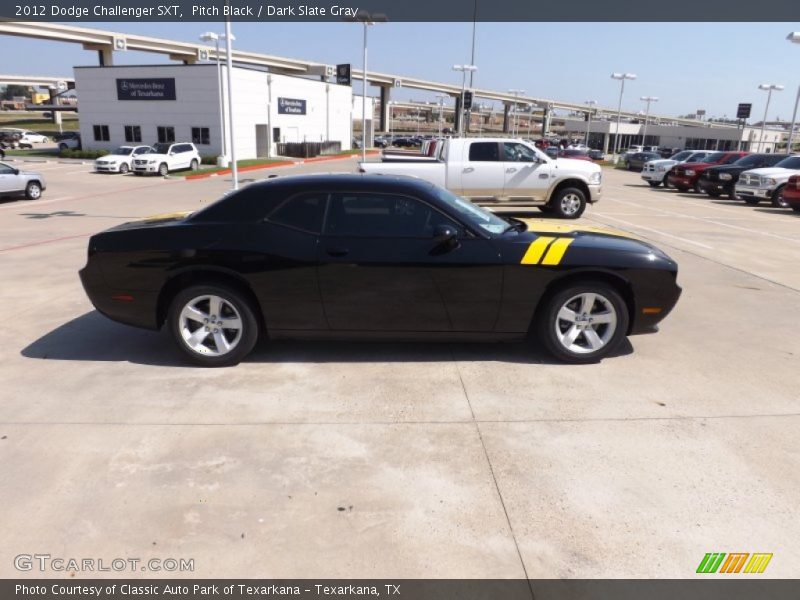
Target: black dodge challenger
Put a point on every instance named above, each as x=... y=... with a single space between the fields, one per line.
x=371 y=256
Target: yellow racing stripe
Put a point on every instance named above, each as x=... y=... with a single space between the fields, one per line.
x=556 y=251
x=536 y=250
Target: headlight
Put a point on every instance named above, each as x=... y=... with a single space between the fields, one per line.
x=661 y=169
x=151 y=162
x=771 y=181
x=690 y=172
x=725 y=176
x=595 y=178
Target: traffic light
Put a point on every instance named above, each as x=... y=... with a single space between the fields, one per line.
x=467 y=100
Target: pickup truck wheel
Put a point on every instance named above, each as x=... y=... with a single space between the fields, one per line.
x=568 y=203
x=583 y=322
x=778 y=200
x=665 y=183
x=213 y=325
x=654 y=184
x=33 y=191
x=163 y=169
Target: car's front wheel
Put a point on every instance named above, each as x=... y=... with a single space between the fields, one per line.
x=214 y=325
x=123 y=168
x=778 y=201
x=33 y=191
x=568 y=203
x=583 y=322
x=163 y=169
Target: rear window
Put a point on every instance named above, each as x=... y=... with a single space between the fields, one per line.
x=251 y=204
x=302 y=212
x=793 y=162
x=484 y=152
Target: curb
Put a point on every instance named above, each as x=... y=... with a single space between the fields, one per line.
x=288 y=163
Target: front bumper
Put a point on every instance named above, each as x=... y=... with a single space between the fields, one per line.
x=145 y=168
x=682 y=181
x=749 y=191
x=653 y=176
x=715 y=187
x=595 y=192
x=106 y=168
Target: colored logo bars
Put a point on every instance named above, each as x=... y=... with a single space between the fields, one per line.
x=714 y=562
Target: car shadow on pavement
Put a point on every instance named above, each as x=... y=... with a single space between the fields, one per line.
x=93 y=337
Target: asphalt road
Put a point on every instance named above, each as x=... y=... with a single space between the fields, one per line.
x=403 y=460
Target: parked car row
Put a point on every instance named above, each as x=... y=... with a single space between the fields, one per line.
x=751 y=177
x=25 y=138
x=159 y=159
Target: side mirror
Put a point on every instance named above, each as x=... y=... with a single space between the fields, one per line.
x=172 y=153
x=444 y=233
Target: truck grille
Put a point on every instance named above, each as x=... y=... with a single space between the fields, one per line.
x=750 y=179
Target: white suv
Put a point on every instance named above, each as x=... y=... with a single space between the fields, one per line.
x=166 y=158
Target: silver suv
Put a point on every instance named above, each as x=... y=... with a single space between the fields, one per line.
x=13 y=181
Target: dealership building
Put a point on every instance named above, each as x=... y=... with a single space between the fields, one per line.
x=181 y=103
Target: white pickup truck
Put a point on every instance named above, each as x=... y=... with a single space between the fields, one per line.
x=504 y=171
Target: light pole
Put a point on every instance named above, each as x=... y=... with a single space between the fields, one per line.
x=793 y=37
x=647 y=99
x=590 y=104
x=514 y=116
x=441 y=98
x=464 y=70
x=229 y=61
x=390 y=104
x=210 y=36
x=367 y=20
x=621 y=77
x=530 y=121
x=768 y=87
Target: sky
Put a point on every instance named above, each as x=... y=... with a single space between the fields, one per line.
x=689 y=66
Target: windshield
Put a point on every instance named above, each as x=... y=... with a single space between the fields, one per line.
x=751 y=160
x=123 y=150
x=469 y=212
x=697 y=157
x=161 y=148
x=681 y=155
x=793 y=162
x=714 y=157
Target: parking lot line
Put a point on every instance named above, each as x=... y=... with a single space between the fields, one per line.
x=35 y=203
x=659 y=232
x=43 y=242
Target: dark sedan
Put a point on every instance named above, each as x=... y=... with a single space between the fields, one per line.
x=717 y=181
x=637 y=160
x=373 y=256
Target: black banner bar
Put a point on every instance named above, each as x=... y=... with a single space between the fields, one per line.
x=400 y=11
x=715 y=587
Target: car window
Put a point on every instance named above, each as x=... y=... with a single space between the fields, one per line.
x=161 y=148
x=5 y=169
x=731 y=159
x=792 y=162
x=382 y=215
x=770 y=160
x=751 y=160
x=302 y=212
x=484 y=152
x=516 y=152
x=142 y=150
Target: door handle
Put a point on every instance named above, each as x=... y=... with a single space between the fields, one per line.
x=469 y=170
x=337 y=251
x=544 y=176
x=511 y=170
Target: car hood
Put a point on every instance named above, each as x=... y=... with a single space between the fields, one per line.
x=699 y=166
x=153 y=156
x=727 y=169
x=115 y=157
x=573 y=164
x=662 y=162
x=772 y=172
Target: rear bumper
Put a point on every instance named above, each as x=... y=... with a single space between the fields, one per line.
x=682 y=181
x=136 y=308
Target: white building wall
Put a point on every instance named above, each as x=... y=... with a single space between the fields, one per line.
x=255 y=93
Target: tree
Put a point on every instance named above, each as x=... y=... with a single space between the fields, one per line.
x=15 y=90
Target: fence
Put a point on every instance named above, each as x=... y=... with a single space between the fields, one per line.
x=309 y=149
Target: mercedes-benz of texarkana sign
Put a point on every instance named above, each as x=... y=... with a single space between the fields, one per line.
x=374 y=256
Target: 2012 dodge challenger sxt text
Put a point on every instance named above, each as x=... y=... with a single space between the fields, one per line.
x=377 y=257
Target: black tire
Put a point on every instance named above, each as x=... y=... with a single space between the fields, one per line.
x=778 y=200
x=63 y=147
x=796 y=209
x=665 y=183
x=568 y=203
x=249 y=325
x=548 y=322
x=123 y=168
x=163 y=169
x=654 y=184
x=33 y=191
x=696 y=188
x=194 y=166
x=751 y=200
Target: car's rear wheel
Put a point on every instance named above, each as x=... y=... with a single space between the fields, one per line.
x=123 y=168
x=583 y=322
x=778 y=200
x=214 y=325
x=33 y=191
x=194 y=165
x=654 y=184
x=568 y=203
x=163 y=169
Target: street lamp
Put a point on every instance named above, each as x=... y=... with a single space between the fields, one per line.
x=795 y=38
x=647 y=99
x=390 y=104
x=514 y=116
x=229 y=60
x=210 y=36
x=590 y=104
x=464 y=70
x=767 y=87
x=441 y=98
x=621 y=77
x=367 y=20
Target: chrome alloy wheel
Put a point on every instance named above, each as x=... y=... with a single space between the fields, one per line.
x=570 y=204
x=585 y=323
x=210 y=325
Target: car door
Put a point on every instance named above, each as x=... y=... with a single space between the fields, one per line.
x=381 y=270
x=9 y=180
x=480 y=171
x=525 y=176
